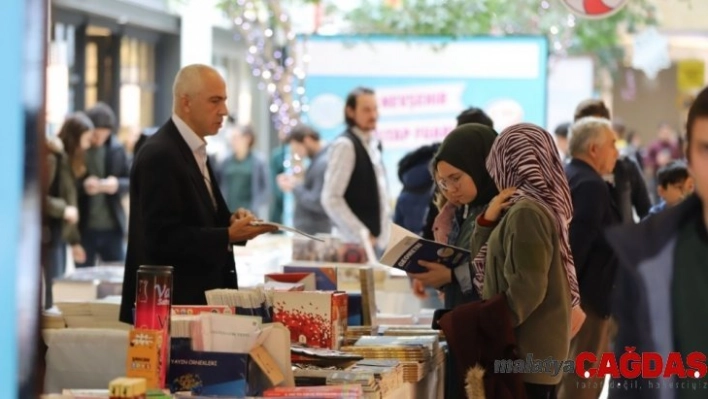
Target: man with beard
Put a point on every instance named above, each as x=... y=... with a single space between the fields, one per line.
x=354 y=192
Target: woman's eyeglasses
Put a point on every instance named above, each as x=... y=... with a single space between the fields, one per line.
x=452 y=181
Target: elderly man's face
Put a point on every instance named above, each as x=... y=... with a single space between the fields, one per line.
x=606 y=152
x=207 y=107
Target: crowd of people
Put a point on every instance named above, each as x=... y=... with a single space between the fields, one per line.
x=563 y=228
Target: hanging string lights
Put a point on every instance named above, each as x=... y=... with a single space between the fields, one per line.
x=267 y=31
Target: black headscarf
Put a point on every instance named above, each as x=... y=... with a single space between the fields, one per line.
x=467 y=148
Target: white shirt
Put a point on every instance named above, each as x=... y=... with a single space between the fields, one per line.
x=341 y=161
x=198 y=147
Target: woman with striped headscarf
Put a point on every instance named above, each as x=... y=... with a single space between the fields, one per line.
x=527 y=256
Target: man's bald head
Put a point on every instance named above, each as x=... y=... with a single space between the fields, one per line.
x=190 y=80
x=199 y=98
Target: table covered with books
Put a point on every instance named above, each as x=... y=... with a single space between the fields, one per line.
x=308 y=328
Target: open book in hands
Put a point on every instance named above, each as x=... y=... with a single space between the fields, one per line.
x=405 y=249
x=285 y=228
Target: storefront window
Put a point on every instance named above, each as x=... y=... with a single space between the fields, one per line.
x=137 y=91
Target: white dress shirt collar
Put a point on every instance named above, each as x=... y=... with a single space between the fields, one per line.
x=194 y=142
x=365 y=137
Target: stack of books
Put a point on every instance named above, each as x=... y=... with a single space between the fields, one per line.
x=408 y=331
x=367 y=381
x=388 y=374
x=89 y=283
x=102 y=313
x=417 y=354
x=377 y=378
x=353 y=333
x=52 y=319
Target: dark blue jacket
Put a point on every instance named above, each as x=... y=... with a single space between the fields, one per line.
x=642 y=301
x=593 y=212
x=414 y=199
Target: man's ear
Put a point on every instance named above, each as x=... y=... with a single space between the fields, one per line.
x=660 y=190
x=592 y=149
x=184 y=102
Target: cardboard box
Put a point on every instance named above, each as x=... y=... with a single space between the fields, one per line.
x=315 y=318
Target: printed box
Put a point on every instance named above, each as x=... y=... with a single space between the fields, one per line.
x=315 y=318
x=144 y=358
x=207 y=373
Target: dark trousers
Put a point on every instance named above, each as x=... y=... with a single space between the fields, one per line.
x=104 y=245
x=538 y=391
x=55 y=266
x=453 y=385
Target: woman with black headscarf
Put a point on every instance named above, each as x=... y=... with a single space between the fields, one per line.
x=461 y=176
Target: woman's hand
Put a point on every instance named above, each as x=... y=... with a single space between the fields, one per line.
x=418 y=289
x=436 y=276
x=577 y=318
x=78 y=253
x=499 y=204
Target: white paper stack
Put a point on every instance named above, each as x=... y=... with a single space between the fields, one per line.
x=257 y=298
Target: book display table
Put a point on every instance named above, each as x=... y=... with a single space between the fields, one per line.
x=90 y=358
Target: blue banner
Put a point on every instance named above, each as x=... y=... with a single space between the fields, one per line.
x=423 y=84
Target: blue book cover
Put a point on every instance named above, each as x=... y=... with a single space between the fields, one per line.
x=354 y=309
x=207 y=373
x=405 y=249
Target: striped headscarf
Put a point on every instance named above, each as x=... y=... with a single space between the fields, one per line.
x=524 y=156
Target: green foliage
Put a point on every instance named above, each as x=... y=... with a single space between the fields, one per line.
x=458 y=18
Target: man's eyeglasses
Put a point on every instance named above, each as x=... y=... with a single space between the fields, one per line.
x=452 y=181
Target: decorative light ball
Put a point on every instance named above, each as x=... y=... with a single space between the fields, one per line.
x=595 y=9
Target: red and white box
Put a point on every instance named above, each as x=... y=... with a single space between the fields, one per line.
x=316 y=319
